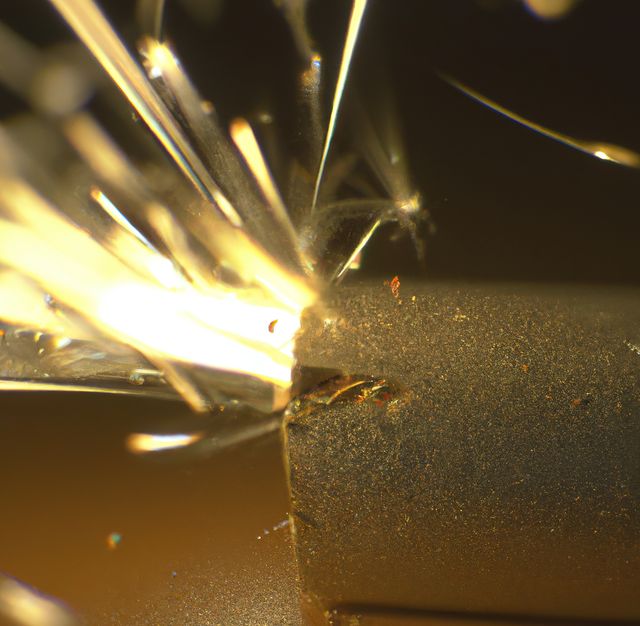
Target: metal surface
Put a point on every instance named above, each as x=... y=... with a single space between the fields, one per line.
x=497 y=471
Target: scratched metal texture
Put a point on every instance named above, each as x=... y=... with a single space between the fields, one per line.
x=500 y=478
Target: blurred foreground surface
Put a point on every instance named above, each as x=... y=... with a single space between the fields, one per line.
x=123 y=539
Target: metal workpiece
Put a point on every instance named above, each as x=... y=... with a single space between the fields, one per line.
x=479 y=455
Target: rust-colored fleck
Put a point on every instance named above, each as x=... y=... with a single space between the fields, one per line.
x=272 y=326
x=576 y=402
x=525 y=368
x=394 y=285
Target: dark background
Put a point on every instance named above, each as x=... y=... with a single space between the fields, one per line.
x=508 y=204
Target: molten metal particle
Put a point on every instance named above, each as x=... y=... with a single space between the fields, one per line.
x=394 y=286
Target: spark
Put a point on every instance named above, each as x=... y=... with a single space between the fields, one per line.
x=142 y=256
x=357 y=14
x=114 y=212
x=244 y=138
x=605 y=151
x=221 y=329
x=218 y=154
x=198 y=290
x=91 y=26
x=201 y=444
x=357 y=250
x=143 y=443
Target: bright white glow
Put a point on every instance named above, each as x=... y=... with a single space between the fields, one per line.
x=217 y=331
x=141 y=257
x=602 y=155
x=218 y=328
x=157 y=57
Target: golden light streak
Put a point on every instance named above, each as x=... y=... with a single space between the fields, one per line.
x=358 y=249
x=215 y=148
x=382 y=148
x=235 y=248
x=605 y=151
x=143 y=443
x=113 y=167
x=245 y=140
x=229 y=244
x=91 y=26
x=255 y=266
x=174 y=238
x=132 y=247
x=357 y=13
x=101 y=153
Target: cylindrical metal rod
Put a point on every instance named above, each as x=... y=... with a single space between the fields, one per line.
x=485 y=460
